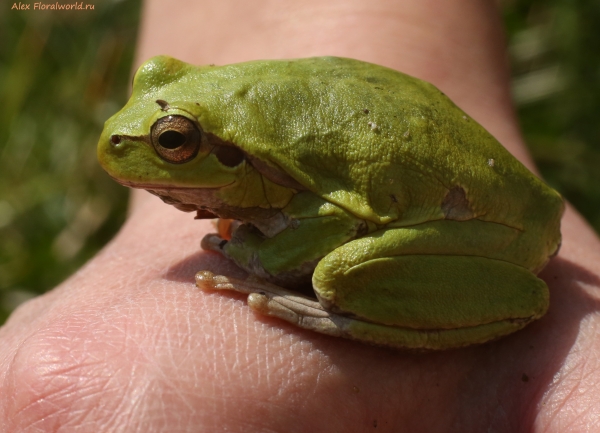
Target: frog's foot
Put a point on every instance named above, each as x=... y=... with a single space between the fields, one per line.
x=275 y=301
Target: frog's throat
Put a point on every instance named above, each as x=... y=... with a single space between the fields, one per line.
x=206 y=203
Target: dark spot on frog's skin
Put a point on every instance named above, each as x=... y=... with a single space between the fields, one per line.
x=366 y=111
x=361 y=230
x=525 y=378
x=198 y=104
x=393 y=197
x=241 y=93
x=456 y=206
x=164 y=105
x=274 y=174
x=229 y=156
x=116 y=139
x=375 y=423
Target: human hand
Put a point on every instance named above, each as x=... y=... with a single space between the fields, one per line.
x=129 y=343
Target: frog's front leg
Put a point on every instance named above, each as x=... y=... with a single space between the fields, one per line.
x=288 y=258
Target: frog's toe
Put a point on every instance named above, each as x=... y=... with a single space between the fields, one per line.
x=302 y=312
x=275 y=301
x=213 y=242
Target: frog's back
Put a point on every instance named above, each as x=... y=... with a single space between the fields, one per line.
x=386 y=146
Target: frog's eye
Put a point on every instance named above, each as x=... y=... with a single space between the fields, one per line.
x=175 y=138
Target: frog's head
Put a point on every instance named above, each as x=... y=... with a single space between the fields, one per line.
x=156 y=140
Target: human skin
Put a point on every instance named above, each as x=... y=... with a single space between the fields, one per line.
x=129 y=344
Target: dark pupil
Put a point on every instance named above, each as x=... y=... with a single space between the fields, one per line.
x=171 y=139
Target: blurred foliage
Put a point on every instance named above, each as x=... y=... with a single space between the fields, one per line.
x=556 y=84
x=62 y=74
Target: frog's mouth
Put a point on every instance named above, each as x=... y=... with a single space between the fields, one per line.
x=154 y=186
x=203 y=201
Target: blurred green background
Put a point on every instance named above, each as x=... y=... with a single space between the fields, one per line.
x=62 y=74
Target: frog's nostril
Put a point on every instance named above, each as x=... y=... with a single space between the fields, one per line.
x=115 y=139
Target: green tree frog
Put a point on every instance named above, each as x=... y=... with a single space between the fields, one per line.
x=409 y=223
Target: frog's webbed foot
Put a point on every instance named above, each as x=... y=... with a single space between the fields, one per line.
x=275 y=301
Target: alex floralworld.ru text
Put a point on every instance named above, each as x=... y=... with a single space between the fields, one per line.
x=52 y=6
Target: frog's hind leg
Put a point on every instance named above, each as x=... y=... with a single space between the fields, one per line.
x=432 y=302
x=275 y=301
x=435 y=286
x=438 y=285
